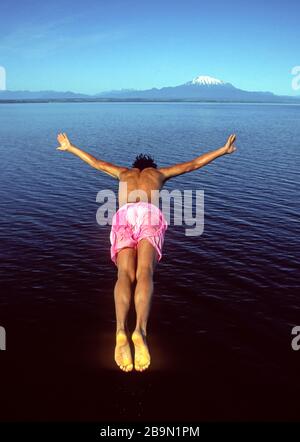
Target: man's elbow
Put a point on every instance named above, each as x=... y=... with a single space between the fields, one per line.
x=191 y=167
x=196 y=166
x=100 y=165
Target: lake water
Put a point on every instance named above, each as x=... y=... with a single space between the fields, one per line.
x=225 y=302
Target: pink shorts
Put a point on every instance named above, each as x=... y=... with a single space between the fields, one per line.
x=136 y=221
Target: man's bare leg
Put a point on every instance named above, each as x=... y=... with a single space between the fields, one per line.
x=126 y=262
x=146 y=260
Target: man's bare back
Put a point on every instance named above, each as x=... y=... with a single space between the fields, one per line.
x=137 y=185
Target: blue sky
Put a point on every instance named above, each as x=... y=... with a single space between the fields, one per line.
x=101 y=45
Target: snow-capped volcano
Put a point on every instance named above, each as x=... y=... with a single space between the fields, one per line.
x=203 y=88
x=206 y=80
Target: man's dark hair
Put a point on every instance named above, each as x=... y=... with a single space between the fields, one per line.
x=142 y=161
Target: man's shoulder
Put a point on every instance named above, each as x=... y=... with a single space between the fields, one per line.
x=125 y=171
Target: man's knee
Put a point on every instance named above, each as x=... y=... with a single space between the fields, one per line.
x=125 y=273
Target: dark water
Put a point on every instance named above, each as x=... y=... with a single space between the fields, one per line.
x=224 y=304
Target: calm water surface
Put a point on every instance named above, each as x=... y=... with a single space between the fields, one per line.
x=225 y=302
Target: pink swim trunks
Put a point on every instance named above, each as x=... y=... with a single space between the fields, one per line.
x=134 y=222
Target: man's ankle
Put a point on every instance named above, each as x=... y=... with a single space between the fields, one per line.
x=141 y=330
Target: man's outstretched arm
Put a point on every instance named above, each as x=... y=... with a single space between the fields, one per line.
x=109 y=168
x=202 y=160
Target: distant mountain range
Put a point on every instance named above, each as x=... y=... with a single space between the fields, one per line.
x=202 y=88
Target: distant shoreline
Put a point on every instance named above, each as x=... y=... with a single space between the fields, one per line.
x=296 y=101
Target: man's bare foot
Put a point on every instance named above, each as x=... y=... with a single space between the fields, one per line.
x=141 y=355
x=122 y=352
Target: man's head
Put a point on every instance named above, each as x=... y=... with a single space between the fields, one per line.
x=142 y=161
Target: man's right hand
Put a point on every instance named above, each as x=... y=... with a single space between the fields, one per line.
x=229 y=147
x=63 y=141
